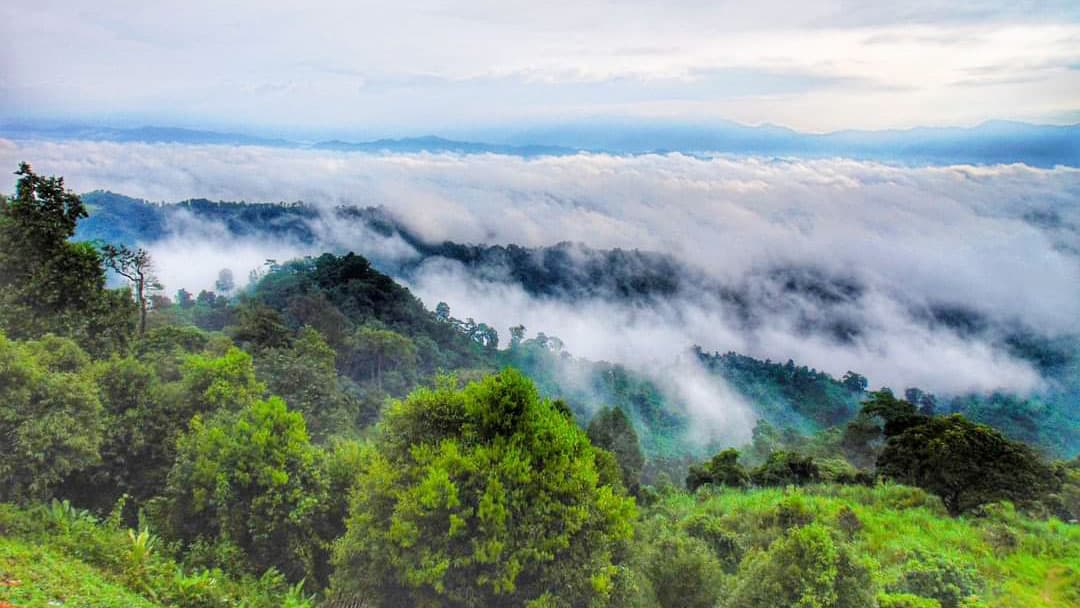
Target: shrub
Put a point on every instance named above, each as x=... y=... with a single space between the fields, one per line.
x=804 y=568
x=940 y=578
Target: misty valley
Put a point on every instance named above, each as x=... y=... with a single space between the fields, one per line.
x=211 y=403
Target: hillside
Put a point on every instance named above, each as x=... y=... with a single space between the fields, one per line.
x=320 y=435
x=818 y=302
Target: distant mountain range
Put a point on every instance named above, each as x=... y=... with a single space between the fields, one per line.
x=990 y=142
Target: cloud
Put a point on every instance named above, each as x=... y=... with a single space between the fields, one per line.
x=367 y=68
x=999 y=242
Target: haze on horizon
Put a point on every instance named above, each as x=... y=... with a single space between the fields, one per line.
x=375 y=69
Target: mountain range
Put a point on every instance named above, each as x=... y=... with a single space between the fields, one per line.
x=988 y=143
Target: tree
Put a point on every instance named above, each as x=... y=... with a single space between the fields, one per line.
x=50 y=416
x=856 y=383
x=375 y=352
x=804 y=568
x=517 y=335
x=47 y=284
x=442 y=312
x=305 y=376
x=786 y=468
x=611 y=430
x=964 y=463
x=211 y=383
x=260 y=326
x=897 y=414
x=225 y=282
x=485 y=496
x=250 y=479
x=138 y=438
x=137 y=267
x=184 y=299
x=723 y=469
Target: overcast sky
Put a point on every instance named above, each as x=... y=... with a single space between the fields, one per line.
x=402 y=67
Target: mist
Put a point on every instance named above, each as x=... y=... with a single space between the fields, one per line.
x=1001 y=241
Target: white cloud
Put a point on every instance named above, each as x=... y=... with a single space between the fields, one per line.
x=911 y=236
x=429 y=65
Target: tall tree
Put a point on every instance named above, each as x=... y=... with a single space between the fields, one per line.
x=47 y=284
x=611 y=429
x=137 y=267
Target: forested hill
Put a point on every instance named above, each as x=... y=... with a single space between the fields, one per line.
x=818 y=302
x=319 y=435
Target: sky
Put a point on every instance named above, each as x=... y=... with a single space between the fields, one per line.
x=379 y=69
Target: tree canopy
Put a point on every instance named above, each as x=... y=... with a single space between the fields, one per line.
x=965 y=463
x=485 y=496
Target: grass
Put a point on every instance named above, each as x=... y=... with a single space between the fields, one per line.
x=1021 y=561
x=35 y=576
x=58 y=555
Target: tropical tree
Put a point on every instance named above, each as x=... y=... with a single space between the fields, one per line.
x=375 y=352
x=47 y=284
x=723 y=469
x=611 y=430
x=486 y=496
x=50 y=416
x=965 y=463
x=305 y=376
x=804 y=568
x=137 y=267
x=250 y=479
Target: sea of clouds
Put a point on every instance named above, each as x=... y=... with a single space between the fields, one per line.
x=1000 y=241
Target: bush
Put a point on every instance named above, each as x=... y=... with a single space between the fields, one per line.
x=723 y=543
x=905 y=600
x=804 y=568
x=682 y=570
x=940 y=578
x=786 y=468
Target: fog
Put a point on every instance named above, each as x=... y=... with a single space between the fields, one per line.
x=1000 y=241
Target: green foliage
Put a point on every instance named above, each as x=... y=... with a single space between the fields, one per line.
x=788 y=394
x=724 y=544
x=939 y=578
x=890 y=529
x=48 y=285
x=226 y=382
x=480 y=497
x=965 y=463
x=660 y=425
x=382 y=356
x=611 y=430
x=61 y=554
x=804 y=568
x=50 y=416
x=723 y=469
x=305 y=376
x=898 y=415
x=905 y=600
x=250 y=478
x=259 y=326
x=681 y=569
x=47 y=577
x=786 y=468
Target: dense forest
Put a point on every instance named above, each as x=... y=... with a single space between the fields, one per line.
x=317 y=436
